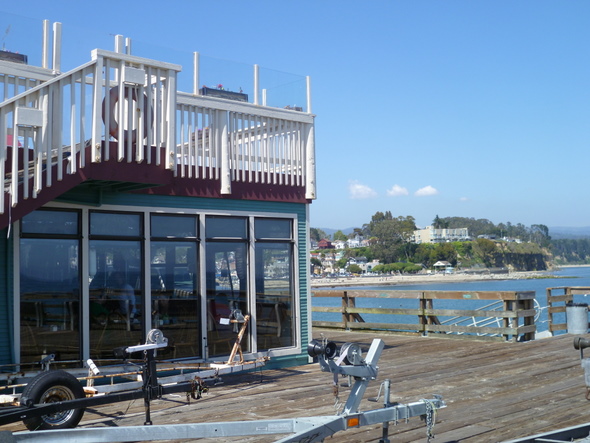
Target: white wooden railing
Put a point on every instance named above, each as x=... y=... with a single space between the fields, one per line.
x=241 y=142
x=53 y=122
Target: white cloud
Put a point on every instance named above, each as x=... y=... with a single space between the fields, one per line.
x=426 y=191
x=464 y=199
x=359 y=191
x=397 y=190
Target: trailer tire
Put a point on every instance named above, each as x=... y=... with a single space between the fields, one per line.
x=50 y=387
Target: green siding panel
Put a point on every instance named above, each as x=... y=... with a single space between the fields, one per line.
x=6 y=304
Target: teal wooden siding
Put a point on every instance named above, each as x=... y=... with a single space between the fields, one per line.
x=6 y=299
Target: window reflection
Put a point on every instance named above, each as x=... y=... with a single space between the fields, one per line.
x=175 y=304
x=274 y=295
x=49 y=299
x=227 y=290
x=115 y=296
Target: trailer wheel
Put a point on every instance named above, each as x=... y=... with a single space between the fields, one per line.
x=51 y=387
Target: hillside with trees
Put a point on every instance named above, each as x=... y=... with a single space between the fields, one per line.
x=571 y=251
x=516 y=247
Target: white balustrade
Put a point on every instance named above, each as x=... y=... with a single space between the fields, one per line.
x=53 y=124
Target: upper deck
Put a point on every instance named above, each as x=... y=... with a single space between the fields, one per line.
x=119 y=121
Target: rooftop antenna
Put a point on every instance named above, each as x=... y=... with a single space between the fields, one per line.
x=4 y=37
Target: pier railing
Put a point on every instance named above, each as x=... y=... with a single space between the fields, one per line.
x=557 y=299
x=484 y=315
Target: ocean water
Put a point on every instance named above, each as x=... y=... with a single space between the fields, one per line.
x=567 y=276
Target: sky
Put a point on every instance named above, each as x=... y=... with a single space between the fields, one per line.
x=425 y=107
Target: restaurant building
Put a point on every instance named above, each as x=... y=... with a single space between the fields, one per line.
x=130 y=205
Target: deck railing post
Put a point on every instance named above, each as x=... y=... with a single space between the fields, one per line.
x=57 y=47
x=196 y=73
x=422 y=318
x=45 y=45
x=310 y=172
x=97 y=86
x=345 y=318
x=170 y=135
x=222 y=121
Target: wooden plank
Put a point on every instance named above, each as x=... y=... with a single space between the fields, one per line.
x=328 y=324
x=386 y=326
x=558 y=327
x=355 y=293
x=526 y=313
x=393 y=311
x=333 y=309
x=559 y=298
x=466 y=295
x=472 y=313
x=327 y=293
x=384 y=294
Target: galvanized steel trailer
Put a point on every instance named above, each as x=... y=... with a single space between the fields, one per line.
x=347 y=362
x=55 y=399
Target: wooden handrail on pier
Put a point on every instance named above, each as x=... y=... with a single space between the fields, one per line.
x=557 y=298
x=514 y=321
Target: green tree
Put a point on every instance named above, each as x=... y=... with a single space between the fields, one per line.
x=540 y=235
x=339 y=235
x=316 y=263
x=440 y=223
x=317 y=234
x=393 y=236
x=444 y=252
x=422 y=254
x=355 y=269
x=341 y=264
x=486 y=249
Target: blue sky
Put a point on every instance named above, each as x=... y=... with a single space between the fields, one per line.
x=452 y=108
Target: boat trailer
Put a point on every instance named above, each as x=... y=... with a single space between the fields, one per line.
x=348 y=361
x=55 y=399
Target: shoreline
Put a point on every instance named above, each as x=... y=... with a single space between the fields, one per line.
x=392 y=280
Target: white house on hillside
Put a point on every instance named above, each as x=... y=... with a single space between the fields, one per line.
x=432 y=235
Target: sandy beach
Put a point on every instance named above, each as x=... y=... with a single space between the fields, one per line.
x=421 y=279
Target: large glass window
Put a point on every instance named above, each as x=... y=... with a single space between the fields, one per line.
x=248 y=269
x=226 y=281
x=174 y=282
x=116 y=283
x=50 y=286
x=274 y=283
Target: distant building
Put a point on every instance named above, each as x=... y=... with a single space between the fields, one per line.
x=363 y=263
x=432 y=235
x=325 y=244
x=339 y=244
x=487 y=236
x=354 y=242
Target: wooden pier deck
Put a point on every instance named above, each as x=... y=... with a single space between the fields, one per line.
x=495 y=391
